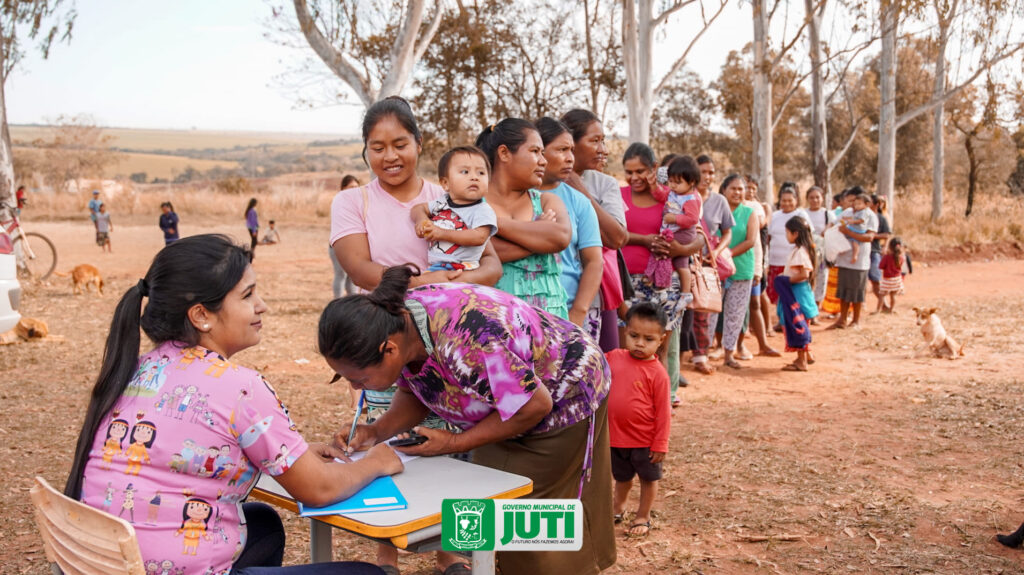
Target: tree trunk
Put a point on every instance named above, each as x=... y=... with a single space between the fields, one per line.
x=6 y=157
x=408 y=45
x=591 y=72
x=972 y=172
x=938 y=157
x=762 y=101
x=403 y=50
x=938 y=131
x=819 y=133
x=887 y=115
x=637 y=52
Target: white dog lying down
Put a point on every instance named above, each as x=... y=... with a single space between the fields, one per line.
x=941 y=344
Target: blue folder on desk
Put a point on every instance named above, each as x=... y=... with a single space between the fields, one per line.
x=380 y=495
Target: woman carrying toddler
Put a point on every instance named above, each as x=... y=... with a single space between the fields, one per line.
x=371 y=229
x=680 y=218
x=855 y=219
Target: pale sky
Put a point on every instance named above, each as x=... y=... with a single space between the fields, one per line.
x=206 y=64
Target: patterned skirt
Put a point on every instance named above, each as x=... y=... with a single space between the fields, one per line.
x=893 y=285
x=536 y=279
x=831 y=303
x=670 y=300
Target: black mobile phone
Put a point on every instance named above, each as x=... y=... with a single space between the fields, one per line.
x=413 y=439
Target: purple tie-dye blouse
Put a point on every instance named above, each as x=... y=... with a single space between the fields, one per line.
x=488 y=352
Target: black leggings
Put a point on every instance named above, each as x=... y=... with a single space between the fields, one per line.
x=264 y=545
x=264 y=549
x=254 y=234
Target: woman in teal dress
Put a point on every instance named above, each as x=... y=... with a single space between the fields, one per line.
x=533 y=226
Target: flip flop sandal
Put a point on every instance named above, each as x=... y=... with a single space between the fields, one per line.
x=733 y=364
x=793 y=367
x=618 y=518
x=769 y=353
x=645 y=524
x=744 y=356
x=704 y=367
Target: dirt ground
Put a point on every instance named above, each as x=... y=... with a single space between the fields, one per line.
x=881 y=459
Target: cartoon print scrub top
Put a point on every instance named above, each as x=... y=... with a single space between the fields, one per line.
x=490 y=350
x=179 y=451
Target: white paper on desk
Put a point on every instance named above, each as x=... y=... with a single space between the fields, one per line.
x=356 y=456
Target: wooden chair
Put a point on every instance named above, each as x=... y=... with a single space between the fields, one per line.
x=82 y=539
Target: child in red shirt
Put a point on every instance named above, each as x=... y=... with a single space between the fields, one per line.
x=891 y=267
x=638 y=412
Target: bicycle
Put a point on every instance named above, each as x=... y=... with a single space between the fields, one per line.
x=36 y=255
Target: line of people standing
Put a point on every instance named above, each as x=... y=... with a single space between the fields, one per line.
x=544 y=412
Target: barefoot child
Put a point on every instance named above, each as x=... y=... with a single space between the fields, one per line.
x=682 y=211
x=638 y=413
x=855 y=218
x=892 y=273
x=459 y=224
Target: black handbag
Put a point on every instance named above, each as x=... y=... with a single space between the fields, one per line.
x=627 y=284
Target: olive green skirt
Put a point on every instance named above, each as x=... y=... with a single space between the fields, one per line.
x=554 y=461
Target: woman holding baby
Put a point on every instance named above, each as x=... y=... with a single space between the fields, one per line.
x=372 y=228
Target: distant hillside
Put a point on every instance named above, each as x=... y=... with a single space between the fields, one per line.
x=182 y=155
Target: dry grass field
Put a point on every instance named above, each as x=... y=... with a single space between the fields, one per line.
x=300 y=197
x=162 y=166
x=881 y=459
x=145 y=139
x=166 y=153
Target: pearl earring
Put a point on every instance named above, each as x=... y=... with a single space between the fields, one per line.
x=206 y=326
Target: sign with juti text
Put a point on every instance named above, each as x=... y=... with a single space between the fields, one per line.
x=512 y=525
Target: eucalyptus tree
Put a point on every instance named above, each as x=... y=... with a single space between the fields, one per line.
x=26 y=22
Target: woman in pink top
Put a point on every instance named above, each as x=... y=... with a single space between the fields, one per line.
x=371 y=230
x=643 y=222
x=370 y=225
x=183 y=433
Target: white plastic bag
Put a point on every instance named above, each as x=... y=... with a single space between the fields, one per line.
x=836 y=244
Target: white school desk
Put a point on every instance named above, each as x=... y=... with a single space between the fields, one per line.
x=425 y=483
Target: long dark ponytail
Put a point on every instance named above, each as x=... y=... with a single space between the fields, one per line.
x=199 y=269
x=805 y=241
x=353 y=328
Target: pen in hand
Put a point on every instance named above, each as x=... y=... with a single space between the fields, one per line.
x=355 y=422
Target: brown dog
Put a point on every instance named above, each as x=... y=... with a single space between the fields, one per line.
x=83 y=276
x=940 y=342
x=27 y=329
x=30 y=328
